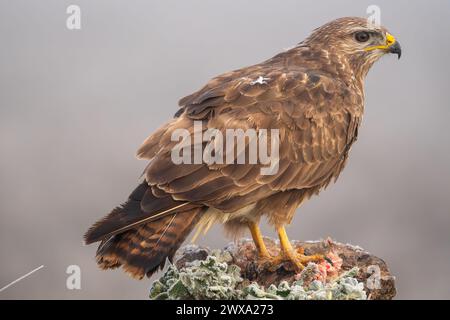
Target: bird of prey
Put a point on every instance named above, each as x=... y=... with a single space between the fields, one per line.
x=313 y=94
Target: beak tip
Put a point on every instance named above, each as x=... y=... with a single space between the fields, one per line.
x=396 y=49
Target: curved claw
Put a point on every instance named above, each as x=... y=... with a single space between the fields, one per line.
x=291 y=261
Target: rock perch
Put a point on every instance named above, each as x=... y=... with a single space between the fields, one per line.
x=348 y=273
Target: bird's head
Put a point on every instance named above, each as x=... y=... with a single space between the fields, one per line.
x=356 y=40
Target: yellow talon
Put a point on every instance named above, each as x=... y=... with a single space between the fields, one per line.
x=287 y=253
x=296 y=257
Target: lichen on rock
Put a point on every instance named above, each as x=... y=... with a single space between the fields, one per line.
x=211 y=278
x=232 y=273
x=345 y=287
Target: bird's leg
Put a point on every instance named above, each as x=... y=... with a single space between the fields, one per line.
x=288 y=253
x=258 y=240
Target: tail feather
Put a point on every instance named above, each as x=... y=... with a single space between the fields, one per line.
x=131 y=214
x=144 y=250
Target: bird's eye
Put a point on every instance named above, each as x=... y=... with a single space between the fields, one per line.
x=362 y=36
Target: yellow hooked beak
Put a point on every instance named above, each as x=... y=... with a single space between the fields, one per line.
x=391 y=46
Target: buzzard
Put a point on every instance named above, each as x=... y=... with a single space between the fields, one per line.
x=313 y=94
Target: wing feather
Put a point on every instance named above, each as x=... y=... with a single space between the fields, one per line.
x=316 y=115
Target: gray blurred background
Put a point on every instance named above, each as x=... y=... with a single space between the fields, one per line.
x=75 y=106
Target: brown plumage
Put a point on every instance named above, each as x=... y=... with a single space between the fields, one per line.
x=313 y=94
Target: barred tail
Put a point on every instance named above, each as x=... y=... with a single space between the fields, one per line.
x=144 y=250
